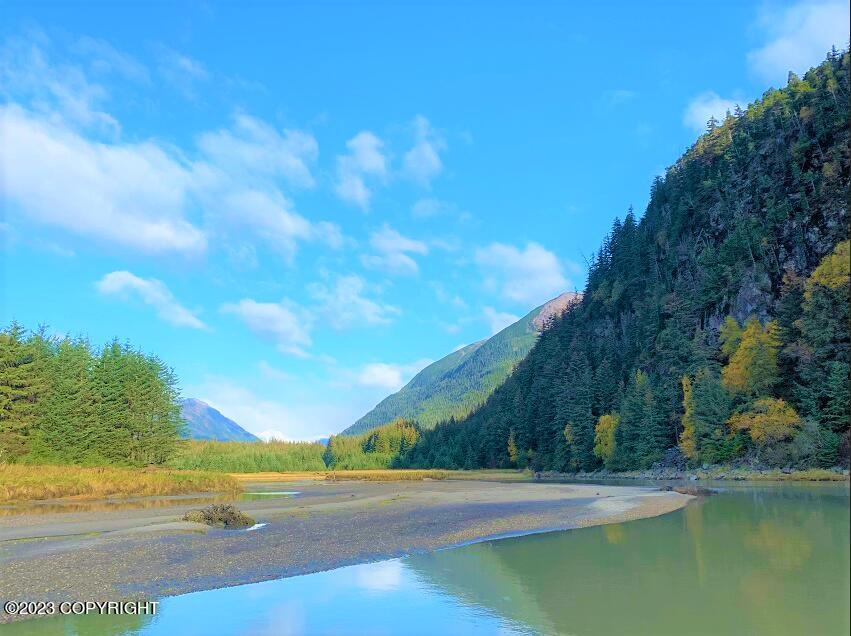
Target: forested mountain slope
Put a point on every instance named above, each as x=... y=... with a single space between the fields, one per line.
x=717 y=324
x=456 y=384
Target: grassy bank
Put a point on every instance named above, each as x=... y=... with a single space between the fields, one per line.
x=249 y=457
x=385 y=475
x=27 y=483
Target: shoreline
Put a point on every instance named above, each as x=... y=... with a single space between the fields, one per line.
x=149 y=553
x=712 y=473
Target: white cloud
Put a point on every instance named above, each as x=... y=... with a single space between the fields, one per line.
x=365 y=158
x=422 y=162
x=393 y=252
x=134 y=195
x=344 y=304
x=530 y=276
x=59 y=92
x=389 y=376
x=499 y=320
x=151 y=292
x=145 y=195
x=799 y=37
x=253 y=147
x=285 y=324
x=267 y=213
x=707 y=105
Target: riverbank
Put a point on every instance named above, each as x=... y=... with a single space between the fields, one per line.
x=150 y=553
x=714 y=473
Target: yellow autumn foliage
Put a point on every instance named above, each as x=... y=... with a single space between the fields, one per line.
x=768 y=420
x=833 y=272
x=752 y=369
x=604 y=436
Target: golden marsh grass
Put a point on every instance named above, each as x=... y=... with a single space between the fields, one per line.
x=20 y=482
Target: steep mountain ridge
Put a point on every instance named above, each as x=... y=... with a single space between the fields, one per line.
x=712 y=329
x=456 y=384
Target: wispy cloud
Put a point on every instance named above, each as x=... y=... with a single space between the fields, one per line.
x=798 y=37
x=181 y=71
x=393 y=252
x=273 y=373
x=389 y=376
x=105 y=59
x=151 y=292
x=528 y=276
x=422 y=161
x=365 y=160
x=499 y=320
x=58 y=91
x=618 y=96
x=144 y=195
x=284 y=323
x=253 y=147
x=345 y=304
x=706 y=106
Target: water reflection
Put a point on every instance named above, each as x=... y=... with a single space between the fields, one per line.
x=762 y=560
x=139 y=503
x=107 y=505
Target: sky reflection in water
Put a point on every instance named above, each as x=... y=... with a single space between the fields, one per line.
x=764 y=558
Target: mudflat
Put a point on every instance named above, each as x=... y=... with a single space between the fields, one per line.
x=103 y=551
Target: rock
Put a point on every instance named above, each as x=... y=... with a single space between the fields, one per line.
x=692 y=478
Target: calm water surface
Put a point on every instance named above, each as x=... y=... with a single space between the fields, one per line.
x=754 y=559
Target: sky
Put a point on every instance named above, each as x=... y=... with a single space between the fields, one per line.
x=300 y=205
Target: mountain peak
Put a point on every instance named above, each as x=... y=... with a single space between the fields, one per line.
x=555 y=307
x=461 y=381
x=206 y=423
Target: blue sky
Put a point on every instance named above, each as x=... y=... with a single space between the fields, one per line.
x=298 y=206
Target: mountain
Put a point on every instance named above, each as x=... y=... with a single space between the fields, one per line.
x=713 y=329
x=455 y=385
x=205 y=422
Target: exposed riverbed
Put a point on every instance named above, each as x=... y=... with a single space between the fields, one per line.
x=757 y=558
x=309 y=527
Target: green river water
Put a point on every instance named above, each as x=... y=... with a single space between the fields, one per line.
x=752 y=559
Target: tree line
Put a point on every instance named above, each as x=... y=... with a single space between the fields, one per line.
x=714 y=329
x=64 y=401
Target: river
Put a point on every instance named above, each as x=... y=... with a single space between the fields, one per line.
x=756 y=558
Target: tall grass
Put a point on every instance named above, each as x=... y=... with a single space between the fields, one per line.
x=19 y=482
x=249 y=457
x=391 y=474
